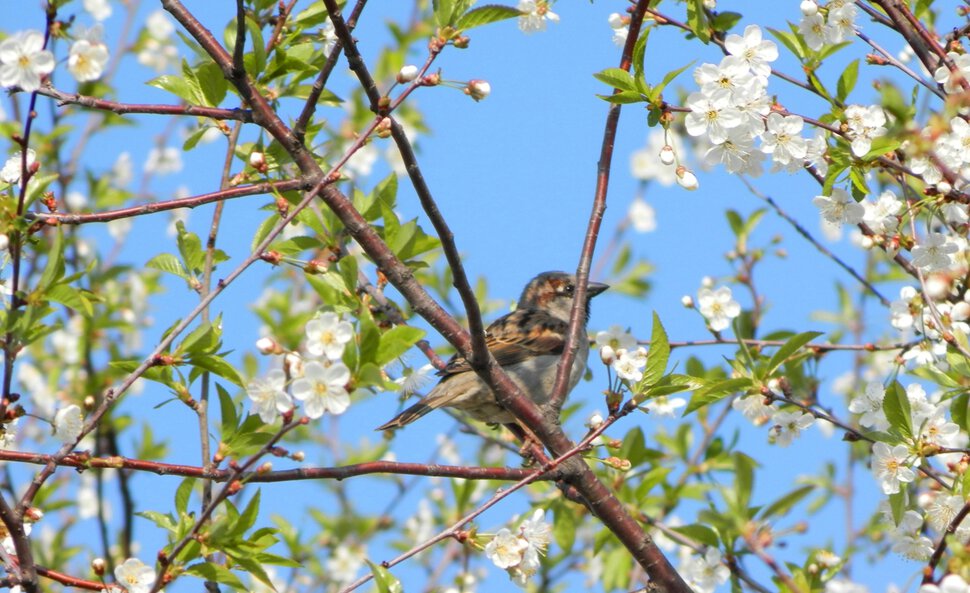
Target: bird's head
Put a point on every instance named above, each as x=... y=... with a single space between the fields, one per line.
x=554 y=292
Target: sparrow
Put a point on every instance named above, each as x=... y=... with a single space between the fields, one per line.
x=527 y=343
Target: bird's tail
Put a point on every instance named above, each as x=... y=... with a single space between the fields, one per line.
x=407 y=416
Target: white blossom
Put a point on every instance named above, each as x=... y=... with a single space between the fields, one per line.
x=704 y=573
x=839 y=208
x=269 y=396
x=869 y=405
x=935 y=253
x=712 y=114
x=68 y=423
x=782 y=139
x=788 y=425
x=757 y=53
x=812 y=28
x=328 y=335
x=23 y=60
x=953 y=81
x=323 y=389
x=12 y=170
x=98 y=9
x=643 y=219
x=135 y=576
x=891 y=467
x=87 y=59
x=163 y=160
x=536 y=17
x=718 y=307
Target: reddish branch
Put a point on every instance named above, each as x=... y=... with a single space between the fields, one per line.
x=69 y=581
x=55 y=219
x=83 y=461
x=134 y=108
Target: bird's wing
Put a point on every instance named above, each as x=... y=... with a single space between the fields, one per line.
x=518 y=336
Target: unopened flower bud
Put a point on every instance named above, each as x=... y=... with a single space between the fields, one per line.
x=265 y=468
x=616 y=21
x=257 y=160
x=407 y=73
x=808 y=7
x=98 y=566
x=607 y=355
x=294 y=364
x=268 y=346
x=89 y=402
x=667 y=154
x=595 y=421
x=33 y=515
x=618 y=463
x=298 y=456
x=478 y=89
x=686 y=178
x=687 y=301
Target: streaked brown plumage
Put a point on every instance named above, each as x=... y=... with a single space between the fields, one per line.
x=527 y=343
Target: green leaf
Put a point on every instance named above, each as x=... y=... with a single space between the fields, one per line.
x=784 y=503
x=617 y=78
x=385 y=581
x=623 y=97
x=725 y=21
x=163 y=520
x=787 y=349
x=229 y=417
x=182 y=495
x=959 y=410
x=396 y=341
x=668 y=78
x=659 y=353
x=218 y=573
x=54 y=270
x=248 y=517
x=168 y=263
x=72 y=297
x=697 y=19
x=716 y=392
x=564 y=527
x=744 y=468
x=190 y=246
x=175 y=85
x=792 y=41
x=847 y=81
x=212 y=83
x=700 y=533
x=218 y=366
x=898 y=411
x=485 y=15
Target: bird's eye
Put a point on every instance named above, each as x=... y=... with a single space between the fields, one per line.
x=568 y=289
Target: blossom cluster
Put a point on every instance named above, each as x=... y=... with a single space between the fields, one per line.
x=320 y=382
x=732 y=110
x=835 y=25
x=618 y=349
x=518 y=552
x=25 y=59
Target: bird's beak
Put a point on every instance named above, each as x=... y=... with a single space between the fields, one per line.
x=595 y=288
